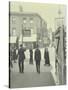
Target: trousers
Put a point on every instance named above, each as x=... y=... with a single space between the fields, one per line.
x=21 y=66
x=38 y=66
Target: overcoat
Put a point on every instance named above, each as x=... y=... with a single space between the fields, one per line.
x=37 y=55
x=46 y=57
x=21 y=54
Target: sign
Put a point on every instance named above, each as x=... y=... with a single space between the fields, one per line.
x=33 y=38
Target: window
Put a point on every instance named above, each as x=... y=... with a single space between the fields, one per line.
x=32 y=30
x=24 y=20
x=14 y=31
x=31 y=20
x=27 y=33
x=13 y=19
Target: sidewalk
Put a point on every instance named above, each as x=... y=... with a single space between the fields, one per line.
x=31 y=78
x=31 y=67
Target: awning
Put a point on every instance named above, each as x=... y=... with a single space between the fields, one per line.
x=32 y=38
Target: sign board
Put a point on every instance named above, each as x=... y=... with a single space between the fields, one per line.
x=33 y=38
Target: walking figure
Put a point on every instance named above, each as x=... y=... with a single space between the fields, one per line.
x=37 y=59
x=14 y=54
x=31 y=56
x=46 y=57
x=21 y=59
x=10 y=58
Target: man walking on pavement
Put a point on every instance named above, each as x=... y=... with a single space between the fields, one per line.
x=37 y=59
x=21 y=59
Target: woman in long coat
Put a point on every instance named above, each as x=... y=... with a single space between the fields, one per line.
x=31 y=56
x=46 y=57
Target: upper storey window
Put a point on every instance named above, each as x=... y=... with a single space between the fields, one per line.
x=14 y=31
x=13 y=20
x=24 y=20
x=31 y=20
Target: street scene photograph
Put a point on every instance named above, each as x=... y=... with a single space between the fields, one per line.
x=37 y=44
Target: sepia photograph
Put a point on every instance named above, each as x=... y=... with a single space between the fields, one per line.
x=37 y=44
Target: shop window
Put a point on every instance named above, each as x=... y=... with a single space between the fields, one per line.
x=27 y=33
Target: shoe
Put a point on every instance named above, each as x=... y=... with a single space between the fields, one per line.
x=39 y=72
x=22 y=72
x=19 y=72
x=44 y=64
x=48 y=64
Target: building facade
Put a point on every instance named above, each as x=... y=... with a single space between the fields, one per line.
x=28 y=29
x=60 y=60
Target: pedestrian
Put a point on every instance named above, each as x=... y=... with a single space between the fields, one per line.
x=21 y=56
x=31 y=56
x=37 y=59
x=14 y=54
x=10 y=59
x=46 y=57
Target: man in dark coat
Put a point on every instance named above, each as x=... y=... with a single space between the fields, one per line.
x=21 y=59
x=31 y=56
x=46 y=57
x=37 y=59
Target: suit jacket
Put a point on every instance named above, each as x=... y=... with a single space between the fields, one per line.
x=21 y=54
x=37 y=55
